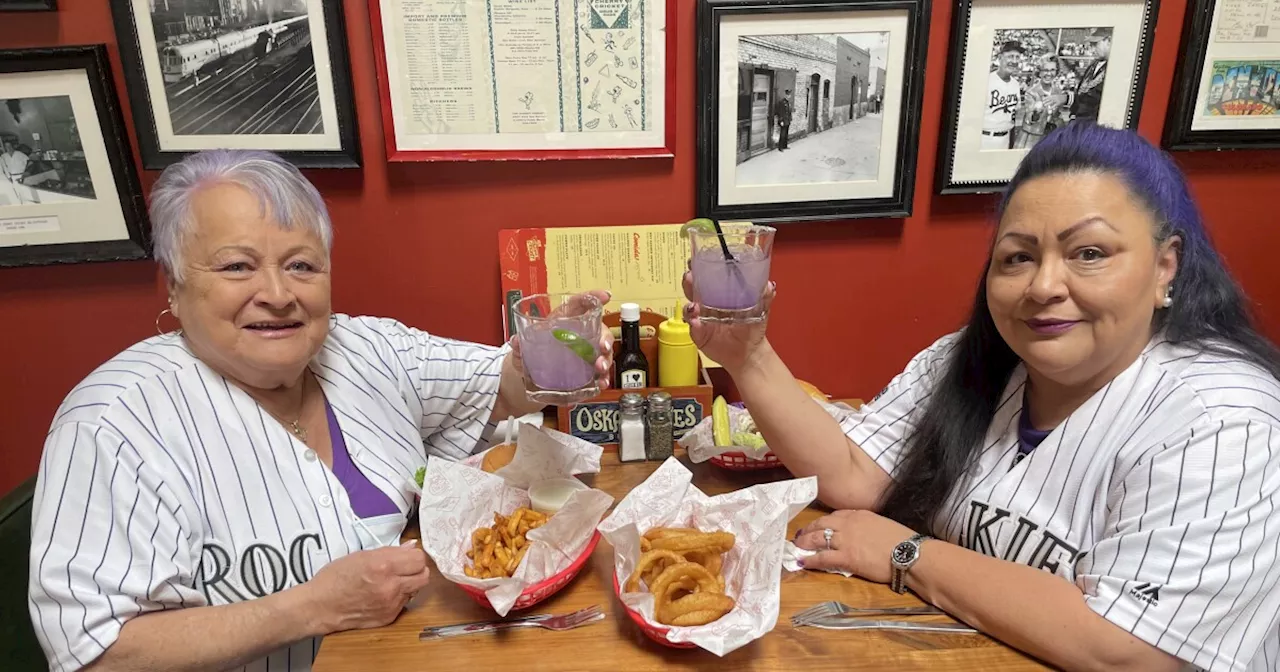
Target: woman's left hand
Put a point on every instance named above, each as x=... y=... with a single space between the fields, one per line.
x=861 y=543
x=604 y=363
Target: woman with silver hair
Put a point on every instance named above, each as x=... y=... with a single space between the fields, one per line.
x=224 y=496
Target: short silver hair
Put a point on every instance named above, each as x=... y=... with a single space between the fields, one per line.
x=280 y=188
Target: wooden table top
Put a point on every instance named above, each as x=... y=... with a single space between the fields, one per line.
x=617 y=644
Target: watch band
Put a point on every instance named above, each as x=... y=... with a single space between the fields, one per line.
x=898 y=578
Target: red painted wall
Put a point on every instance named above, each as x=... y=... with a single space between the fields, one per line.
x=418 y=242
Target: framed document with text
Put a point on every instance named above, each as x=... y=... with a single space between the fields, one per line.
x=466 y=80
x=1225 y=92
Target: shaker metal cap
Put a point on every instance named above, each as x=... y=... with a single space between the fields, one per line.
x=631 y=402
x=660 y=401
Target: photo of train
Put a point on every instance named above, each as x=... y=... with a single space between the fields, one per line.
x=180 y=61
x=238 y=67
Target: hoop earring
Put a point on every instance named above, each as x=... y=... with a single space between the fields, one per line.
x=164 y=333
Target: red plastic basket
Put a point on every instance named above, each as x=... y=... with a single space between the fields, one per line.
x=656 y=633
x=738 y=461
x=545 y=588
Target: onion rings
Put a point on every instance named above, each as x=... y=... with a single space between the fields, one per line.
x=681 y=568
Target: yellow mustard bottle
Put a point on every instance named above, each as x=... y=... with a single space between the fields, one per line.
x=678 y=361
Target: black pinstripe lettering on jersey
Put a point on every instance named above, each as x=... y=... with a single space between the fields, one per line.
x=262 y=473
x=1253 y=558
x=106 y=546
x=213 y=473
x=275 y=462
x=230 y=455
x=75 y=555
x=57 y=516
x=1231 y=567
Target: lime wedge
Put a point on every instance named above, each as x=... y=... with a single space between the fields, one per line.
x=577 y=344
x=702 y=224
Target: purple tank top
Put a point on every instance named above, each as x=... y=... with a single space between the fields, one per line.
x=367 y=500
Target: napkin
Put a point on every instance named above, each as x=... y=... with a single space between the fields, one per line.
x=458 y=498
x=700 y=443
x=792 y=554
x=757 y=516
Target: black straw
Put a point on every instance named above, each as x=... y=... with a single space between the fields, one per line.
x=724 y=247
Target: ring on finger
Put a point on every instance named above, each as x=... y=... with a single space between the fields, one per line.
x=827 y=533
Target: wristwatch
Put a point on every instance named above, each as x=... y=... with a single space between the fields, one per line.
x=903 y=557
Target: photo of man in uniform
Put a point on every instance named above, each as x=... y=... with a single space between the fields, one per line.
x=1004 y=92
x=782 y=117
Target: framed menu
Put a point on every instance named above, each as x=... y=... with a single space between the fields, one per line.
x=1226 y=94
x=525 y=79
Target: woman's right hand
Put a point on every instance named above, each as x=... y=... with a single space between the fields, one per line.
x=368 y=589
x=733 y=346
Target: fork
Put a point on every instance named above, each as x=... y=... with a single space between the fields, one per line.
x=834 y=608
x=836 y=623
x=549 y=621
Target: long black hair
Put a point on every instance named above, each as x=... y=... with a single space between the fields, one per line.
x=1209 y=312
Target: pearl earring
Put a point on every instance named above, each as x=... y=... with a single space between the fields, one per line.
x=1168 y=298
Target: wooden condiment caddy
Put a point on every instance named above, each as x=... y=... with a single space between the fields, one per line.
x=596 y=419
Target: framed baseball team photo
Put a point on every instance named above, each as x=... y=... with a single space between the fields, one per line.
x=249 y=75
x=1225 y=92
x=809 y=110
x=1017 y=70
x=69 y=191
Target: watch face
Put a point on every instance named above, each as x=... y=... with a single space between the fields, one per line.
x=905 y=553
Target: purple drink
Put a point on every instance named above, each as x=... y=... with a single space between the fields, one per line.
x=553 y=365
x=730 y=285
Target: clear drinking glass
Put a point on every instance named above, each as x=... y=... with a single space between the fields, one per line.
x=559 y=344
x=730 y=272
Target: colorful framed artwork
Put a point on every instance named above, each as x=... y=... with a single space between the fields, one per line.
x=1225 y=91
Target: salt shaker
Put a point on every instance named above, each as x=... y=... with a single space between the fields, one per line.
x=631 y=438
x=661 y=431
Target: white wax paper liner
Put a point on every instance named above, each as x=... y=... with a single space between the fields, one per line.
x=458 y=498
x=700 y=442
x=757 y=516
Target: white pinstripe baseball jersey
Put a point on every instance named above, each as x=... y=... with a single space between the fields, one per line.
x=163 y=486
x=1157 y=497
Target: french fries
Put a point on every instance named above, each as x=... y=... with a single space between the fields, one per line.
x=681 y=567
x=497 y=550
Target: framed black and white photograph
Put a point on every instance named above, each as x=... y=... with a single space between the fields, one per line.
x=1225 y=90
x=240 y=74
x=28 y=5
x=69 y=190
x=1018 y=70
x=809 y=110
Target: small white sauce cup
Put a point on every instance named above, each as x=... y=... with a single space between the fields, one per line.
x=550 y=495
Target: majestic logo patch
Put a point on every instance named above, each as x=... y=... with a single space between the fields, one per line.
x=1146 y=592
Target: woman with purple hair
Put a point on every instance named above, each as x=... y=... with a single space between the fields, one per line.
x=1087 y=471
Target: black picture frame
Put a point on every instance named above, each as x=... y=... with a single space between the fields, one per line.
x=1178 y=134
x=958 y=47
x=92 y=59
x=28 y=5
x=710 y=14
x=156 y=158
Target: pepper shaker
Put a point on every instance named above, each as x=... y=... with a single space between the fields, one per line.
x=631 y=434
x=660 y=433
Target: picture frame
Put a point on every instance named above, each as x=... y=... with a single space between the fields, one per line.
x=260 y=77
x=69 y=189
x=1212 y=106
x=28 y=5
x=1016 y=70
x=517 y=80
x=837 y=83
